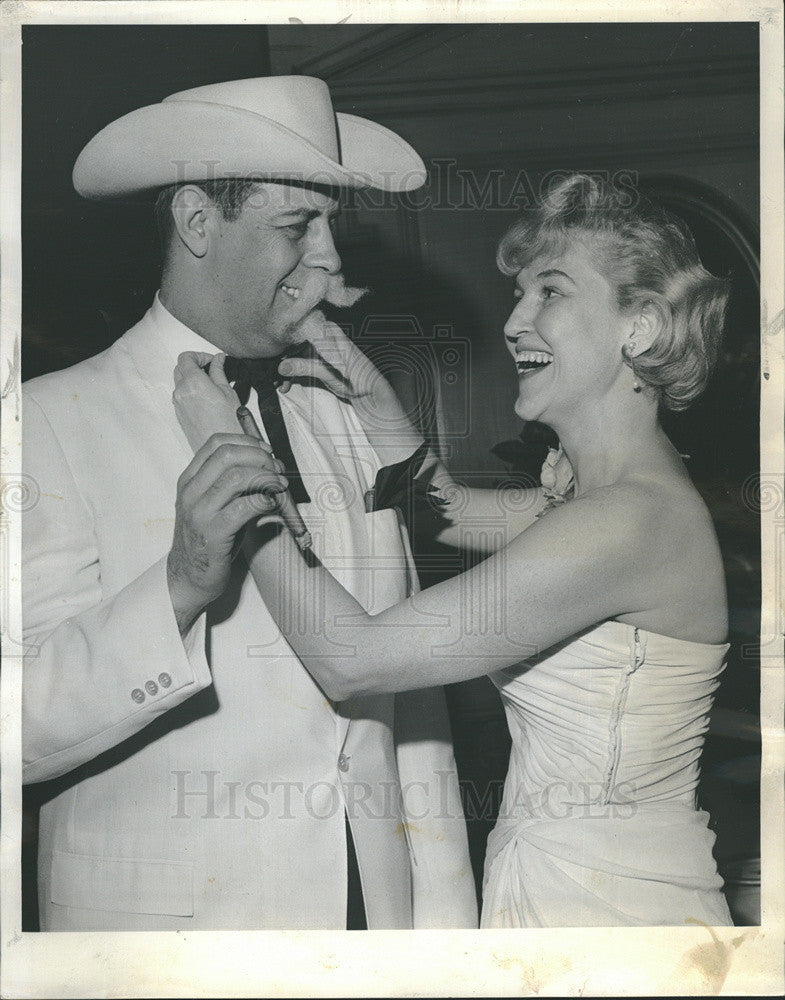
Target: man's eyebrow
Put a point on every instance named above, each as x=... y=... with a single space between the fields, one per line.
x=305 y=213
x=555 y=271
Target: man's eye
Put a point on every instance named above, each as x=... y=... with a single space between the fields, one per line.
x=298 y=229
x=549 y=291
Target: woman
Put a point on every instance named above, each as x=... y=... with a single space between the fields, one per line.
x=602 y=623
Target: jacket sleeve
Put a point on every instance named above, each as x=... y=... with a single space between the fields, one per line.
x=443 y=889
x=97 y=668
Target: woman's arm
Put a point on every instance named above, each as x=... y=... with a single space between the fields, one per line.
x=475 y=519
x=578 y=566
x=470 y=518
x=483 y=520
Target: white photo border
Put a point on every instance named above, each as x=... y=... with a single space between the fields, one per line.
x=690 y=960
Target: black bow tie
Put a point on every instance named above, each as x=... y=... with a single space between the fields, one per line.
x=262 y=375
x=395 y=486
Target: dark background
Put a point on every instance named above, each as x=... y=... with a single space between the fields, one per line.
x=674 y=106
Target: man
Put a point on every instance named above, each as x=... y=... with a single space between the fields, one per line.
x=208 y=781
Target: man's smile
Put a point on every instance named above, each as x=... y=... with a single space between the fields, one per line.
x=307 y=290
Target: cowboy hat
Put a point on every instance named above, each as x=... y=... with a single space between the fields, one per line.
x=278 y=127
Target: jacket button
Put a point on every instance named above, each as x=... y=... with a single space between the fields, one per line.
x=151 y=687
x=138 y=695
x=343 y=762
x=164 y=680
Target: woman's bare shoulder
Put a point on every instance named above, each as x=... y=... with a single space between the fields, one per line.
x=681 y=560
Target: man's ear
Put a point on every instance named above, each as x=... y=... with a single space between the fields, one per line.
x=192 y=213
x=650 y=319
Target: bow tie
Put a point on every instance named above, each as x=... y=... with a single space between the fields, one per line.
x=395 y=486
x=262 y=375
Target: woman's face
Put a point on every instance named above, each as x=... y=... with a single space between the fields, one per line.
x=565 y=334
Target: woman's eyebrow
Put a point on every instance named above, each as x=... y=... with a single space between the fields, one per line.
x=554 y=271
x=549 y=273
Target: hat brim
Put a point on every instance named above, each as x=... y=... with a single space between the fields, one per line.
x=180 y=141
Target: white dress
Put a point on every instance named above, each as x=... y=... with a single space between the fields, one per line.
x=598 y=824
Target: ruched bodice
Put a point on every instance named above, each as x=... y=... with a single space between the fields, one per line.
x=598 y=822
x=619 y=713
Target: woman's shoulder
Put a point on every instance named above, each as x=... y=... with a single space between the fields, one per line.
x=674 y=506
x=644 y=507
x=665 y=497
x=680 y=558
x=641 y=509
x=640 y=550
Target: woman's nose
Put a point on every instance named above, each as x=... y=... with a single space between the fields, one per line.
x=520 y=322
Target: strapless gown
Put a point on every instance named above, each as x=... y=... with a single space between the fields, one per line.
x=598 y=824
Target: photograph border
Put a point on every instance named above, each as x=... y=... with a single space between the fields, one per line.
x=665 y=961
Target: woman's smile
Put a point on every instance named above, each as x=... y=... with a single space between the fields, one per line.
x=528 y=362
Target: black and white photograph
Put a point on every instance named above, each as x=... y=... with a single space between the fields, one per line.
x=392 y=500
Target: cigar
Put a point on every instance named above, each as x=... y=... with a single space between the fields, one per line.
x=287 y=508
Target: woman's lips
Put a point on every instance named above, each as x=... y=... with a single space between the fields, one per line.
x=528 y=362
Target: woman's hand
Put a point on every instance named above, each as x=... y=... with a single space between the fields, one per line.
x=204 y=401
x=348 y=373
x=340 y=367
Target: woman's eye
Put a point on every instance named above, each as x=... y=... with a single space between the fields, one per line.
x=548 y=292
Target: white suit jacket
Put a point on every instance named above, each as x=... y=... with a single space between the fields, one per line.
x=204 y=781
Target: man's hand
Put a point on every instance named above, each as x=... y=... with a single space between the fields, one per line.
x=231 y=481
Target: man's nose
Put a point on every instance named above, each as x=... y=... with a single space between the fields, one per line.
x=321 y=251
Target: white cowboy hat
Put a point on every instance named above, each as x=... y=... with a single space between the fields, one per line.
x=271 y=127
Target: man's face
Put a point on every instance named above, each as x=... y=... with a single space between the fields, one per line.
x=270 y=268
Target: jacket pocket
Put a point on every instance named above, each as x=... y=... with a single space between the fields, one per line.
x=125 y=885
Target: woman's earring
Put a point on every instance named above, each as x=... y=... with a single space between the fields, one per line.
x=629 y=354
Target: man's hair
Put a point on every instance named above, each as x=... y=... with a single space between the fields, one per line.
x=647 y=255
x=229 y=193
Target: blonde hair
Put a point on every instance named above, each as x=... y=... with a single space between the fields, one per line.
x=648 y=256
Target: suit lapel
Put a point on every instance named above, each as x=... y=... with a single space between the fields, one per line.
x=154 y=364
